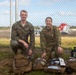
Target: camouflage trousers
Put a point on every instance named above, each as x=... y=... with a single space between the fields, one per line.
x=16 y=45
x=52 y=53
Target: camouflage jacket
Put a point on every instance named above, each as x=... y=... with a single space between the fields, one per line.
x=20 y=32
x=50 y=38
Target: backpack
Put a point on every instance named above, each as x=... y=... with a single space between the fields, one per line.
x=55 y=66
x=39 y=64
x=21 y=64
x=54 y=69
x=72 y=63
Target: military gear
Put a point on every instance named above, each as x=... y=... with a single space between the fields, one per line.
x=21 y=64
x=73 y=52
x=23 y=33
x=39 y=64
x=50 y=40
x=72 y=63
x=62 y=62
x=54 y=61
x=54 y=66
x=54 y=69
x=69 y=70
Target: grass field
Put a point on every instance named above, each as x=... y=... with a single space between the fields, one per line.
x=66 y=42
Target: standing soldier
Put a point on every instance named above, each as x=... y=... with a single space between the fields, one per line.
x=21 y=31
x=50 y=40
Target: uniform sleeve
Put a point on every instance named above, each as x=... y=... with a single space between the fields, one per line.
x=58 y=36
x=14 y=33
x=42 y=41
x=32 y=38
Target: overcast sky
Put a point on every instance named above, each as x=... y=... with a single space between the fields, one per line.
x=62 y=11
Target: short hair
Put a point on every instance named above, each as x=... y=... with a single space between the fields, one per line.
x=23 y=11
x=48 y=18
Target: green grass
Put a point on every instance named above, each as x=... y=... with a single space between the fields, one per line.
x=5 y=54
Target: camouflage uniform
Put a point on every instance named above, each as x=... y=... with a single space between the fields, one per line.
x=23 y=33
x=50 y=40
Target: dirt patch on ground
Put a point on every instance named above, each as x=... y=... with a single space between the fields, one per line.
x=6 y=34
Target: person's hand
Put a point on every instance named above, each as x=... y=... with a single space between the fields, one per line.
x=60 y=50
x=43 y=55
x=25 y=44
x=30 y=52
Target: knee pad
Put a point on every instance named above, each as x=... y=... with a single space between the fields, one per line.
x=14 y=43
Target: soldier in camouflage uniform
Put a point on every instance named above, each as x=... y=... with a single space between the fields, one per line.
x=50 y=40
x=21 y=31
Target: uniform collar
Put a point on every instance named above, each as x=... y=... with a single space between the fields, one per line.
x=21 y=24
x=49 y=29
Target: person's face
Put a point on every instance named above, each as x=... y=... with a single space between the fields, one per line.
x=23 y=15
x=48 y=23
